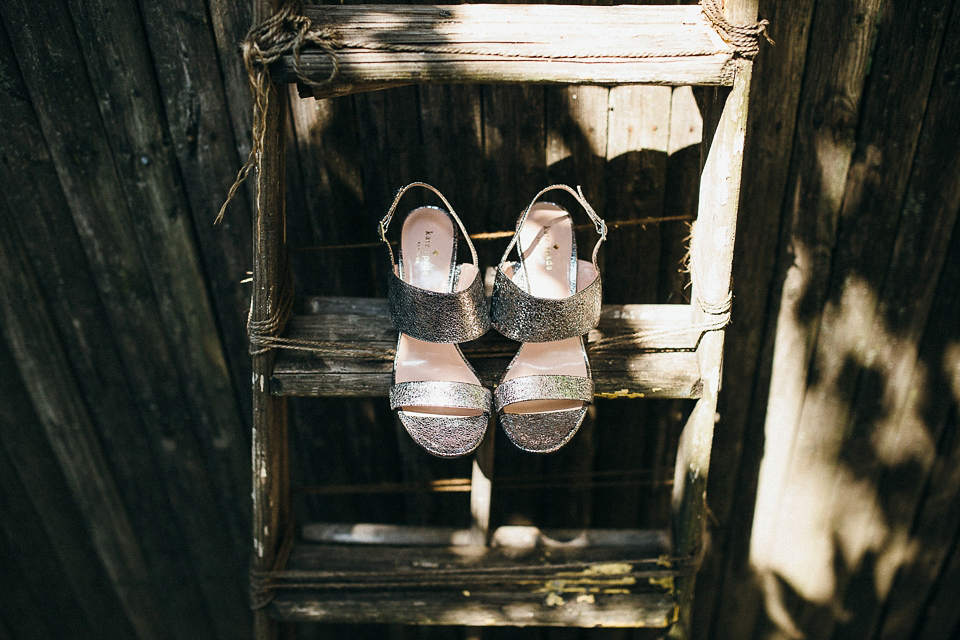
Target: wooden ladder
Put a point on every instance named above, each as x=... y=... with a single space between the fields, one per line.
x=475 y=577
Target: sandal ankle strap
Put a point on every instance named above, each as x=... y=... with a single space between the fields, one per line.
x=432 y=316
x=598 y=222
x=385 y=221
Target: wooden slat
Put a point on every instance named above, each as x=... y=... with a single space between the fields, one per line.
x=896 y=227
x=471 y=585
x=42 y=519
x=209 y=150
x=739 y=445
x=941 y=619
x=853 y=430
x=667 y=368
x=63 y=414
x=29 y=546
x=206 y=504
x=270 y=446
x=624 y=44
x=638 y=125
x=841 y=42
x=654 y=541
x=711 y=265
x=111 y=459
x=933 y=182
x=25 y=615
x=479 y=609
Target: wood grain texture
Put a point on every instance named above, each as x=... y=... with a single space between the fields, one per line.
x=664 y=367
x=147 y=171
x=84 y=161
x=197 y=108
x=62 y=412
x=271 y=445
x=907 y=265
x=824 y=138
x=624 y=44
x=29 y=547
x=27 y=618
x=476 y=585
x=45 y=523
x=738 y=445
x=935 y=363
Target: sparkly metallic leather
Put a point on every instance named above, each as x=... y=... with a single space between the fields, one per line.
x=445 y=436
x=542 y=432
x=543 y=388
x=439 y=317
x=526 y=318
x=440 y=393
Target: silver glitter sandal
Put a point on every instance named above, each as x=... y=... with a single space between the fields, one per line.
x=547 y=300
x=436 y=303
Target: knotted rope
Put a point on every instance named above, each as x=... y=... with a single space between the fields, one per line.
x=744 y=38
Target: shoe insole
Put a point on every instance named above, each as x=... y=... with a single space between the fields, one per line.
x=427 y=260
x=546 y=244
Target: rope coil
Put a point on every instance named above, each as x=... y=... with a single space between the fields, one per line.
x=744 y=38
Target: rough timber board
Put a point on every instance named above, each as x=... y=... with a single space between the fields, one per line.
x=672 y=45
x=664 y=366
x=480 y=609
x=476 y=585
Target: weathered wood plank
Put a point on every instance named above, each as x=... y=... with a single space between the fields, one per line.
x=29 y=547
x=922 y=378
x=148 y=174
x=332 y=195
x=42 y=520
x=82 y=156
x=270 y=447
x=904 y=251
x=649 y=370
x=384 y=70
x=739 y=445
x=458 y=585
x=654 y=541
x=862 y=362
x=62 y=411
x=184 y=53
x=638 y=119
x=479 y=609
x=824 y=138
x=24 y=613
x=941 y=619
x=655 y=45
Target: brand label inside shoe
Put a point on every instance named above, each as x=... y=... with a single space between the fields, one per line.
x=547 y=256
x=423 y=253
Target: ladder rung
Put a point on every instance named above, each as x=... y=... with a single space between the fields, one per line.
x=662 y=365
x=478 y=585
x=489 y=43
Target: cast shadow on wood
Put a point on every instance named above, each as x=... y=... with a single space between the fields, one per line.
x=863 y=530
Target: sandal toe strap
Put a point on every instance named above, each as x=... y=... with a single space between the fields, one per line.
x=440 y=393
x=526 y=318
x=439 y=317
x=543 y=388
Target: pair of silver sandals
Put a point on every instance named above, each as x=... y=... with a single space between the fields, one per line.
x=547 y=299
